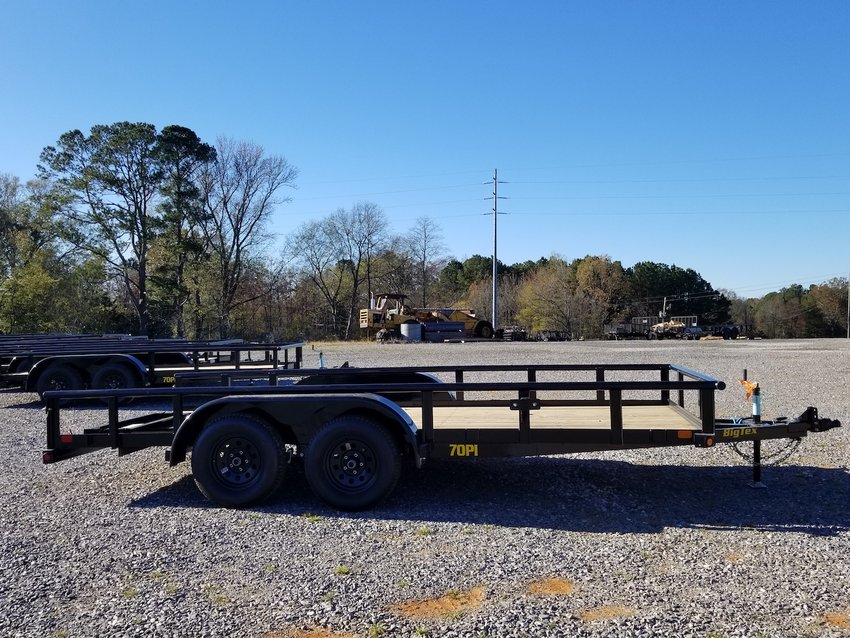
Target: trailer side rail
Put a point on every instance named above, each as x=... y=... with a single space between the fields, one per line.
x=521 y=406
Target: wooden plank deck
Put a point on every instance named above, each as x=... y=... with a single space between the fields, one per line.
x=635 y=417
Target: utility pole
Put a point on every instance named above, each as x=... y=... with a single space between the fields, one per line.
x=848 y=307
x=496 y=199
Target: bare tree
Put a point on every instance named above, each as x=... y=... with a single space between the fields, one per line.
x=338 y=255
x=426 y=244
x=358 y=235
x=240 y=190
x=318 y=258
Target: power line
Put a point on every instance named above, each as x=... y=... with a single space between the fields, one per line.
x=393 y=192
x=707 y=213
x=682 y=181
x=712 y=196
x=682 y=161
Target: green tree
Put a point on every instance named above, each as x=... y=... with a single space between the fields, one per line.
x=599 y=283
x=181 y=154
x=451 y=283
x=107 y=182
x=741 y=311
x=829 y=301
x=27 y=298
x=10 y=204
x=686 y=293
x=547 y=299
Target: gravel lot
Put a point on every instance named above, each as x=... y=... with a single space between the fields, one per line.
x=669 y=542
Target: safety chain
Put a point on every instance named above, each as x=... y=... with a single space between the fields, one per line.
x=775 y=458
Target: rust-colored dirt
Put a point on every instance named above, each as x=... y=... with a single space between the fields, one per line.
x=552 y=587
x=451 y=604
x=606 y=612
x=316 y=632
x=841 y=620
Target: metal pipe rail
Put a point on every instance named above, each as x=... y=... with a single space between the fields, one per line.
x=525 y=393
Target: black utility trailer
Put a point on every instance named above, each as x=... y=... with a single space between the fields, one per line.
x=73 y=362
x=354 y=426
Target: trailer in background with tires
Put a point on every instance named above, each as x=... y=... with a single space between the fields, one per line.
x=77 y=362
x=353 y=427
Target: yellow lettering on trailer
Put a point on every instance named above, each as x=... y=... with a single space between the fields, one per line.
x=736 y=433
x=463 y=449
x=168 y=379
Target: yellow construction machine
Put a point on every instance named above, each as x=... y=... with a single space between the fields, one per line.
x=390 y=311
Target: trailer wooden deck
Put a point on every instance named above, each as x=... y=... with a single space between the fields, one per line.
x=635 y=417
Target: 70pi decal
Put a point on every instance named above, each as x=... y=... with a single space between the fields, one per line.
x=463 y=449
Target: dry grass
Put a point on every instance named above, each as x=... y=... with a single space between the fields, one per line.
x=552 y=587
x=734 y=557
x=451 y=605
x=606 y=612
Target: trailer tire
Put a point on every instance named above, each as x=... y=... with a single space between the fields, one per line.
x=352 y=463
x=59 y=376
x=113 y=376
x=484 y=330
x=238 y=461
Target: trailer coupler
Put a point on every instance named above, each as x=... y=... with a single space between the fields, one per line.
x=756 y=429
x=816 y=424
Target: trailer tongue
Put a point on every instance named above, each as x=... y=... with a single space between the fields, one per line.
x=352 y=426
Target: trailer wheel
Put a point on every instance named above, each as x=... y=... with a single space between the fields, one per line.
x=352 y=463
x=59 y=376
x=484 y=330
x=113 y=376
x=238 y=461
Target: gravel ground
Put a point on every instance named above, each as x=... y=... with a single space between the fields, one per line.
x=668 y=542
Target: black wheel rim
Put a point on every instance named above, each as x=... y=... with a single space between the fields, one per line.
x=351 y=465
x=59 y=382
x=114 y=382
x=236 y=462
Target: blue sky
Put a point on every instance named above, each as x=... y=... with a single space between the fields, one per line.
x=710 y=135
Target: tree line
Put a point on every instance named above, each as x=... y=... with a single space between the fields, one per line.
x=128 y=229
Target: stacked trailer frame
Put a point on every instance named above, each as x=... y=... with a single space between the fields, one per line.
x=74 y=362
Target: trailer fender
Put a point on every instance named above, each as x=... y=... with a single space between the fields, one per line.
x=297 y=418
x=86 y=363
x=354 y=376
x=20 y=364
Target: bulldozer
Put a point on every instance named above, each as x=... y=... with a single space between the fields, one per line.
x=387 y=312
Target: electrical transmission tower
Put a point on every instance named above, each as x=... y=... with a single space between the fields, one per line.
x=496 y=198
